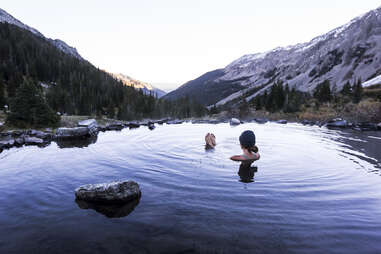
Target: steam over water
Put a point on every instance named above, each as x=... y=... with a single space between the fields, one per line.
x=315 y=191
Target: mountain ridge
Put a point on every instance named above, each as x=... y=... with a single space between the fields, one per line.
x=146 y=87
x=61 y=45
x=346 y=53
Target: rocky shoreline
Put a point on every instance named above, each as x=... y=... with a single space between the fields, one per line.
x=87 y=131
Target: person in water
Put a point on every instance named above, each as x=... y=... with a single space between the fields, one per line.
x=210 y=141
x=250 y=150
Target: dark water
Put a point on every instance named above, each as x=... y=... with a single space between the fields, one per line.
x=315 y=191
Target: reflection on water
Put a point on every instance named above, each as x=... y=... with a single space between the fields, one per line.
x=246 y=172
x=317 y=191
x=110 y=210
x=80 y=143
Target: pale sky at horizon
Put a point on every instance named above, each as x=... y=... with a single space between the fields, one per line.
x=170 y=42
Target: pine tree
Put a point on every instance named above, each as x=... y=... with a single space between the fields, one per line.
x=243 y=108
x=357 y=92
x=347 y=89
x=2 y=96
x=323 y=92
x=29 y=108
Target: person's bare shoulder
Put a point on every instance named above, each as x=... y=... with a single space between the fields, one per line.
x=237 y=158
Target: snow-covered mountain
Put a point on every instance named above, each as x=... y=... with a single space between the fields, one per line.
x=61 y=45
x=147 y=88
x=347 y=53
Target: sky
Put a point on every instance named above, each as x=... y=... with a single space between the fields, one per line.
x=170 y=42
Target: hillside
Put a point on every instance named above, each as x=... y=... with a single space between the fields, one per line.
x=146 y=88
x=345 y=54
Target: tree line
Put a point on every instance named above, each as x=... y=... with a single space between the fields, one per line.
x=281 y=98
x=70 y=85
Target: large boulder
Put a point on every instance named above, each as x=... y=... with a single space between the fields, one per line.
x=114 y=192
x=337 y=123
x=235 y=121
x=91 y=125
x=72 y=133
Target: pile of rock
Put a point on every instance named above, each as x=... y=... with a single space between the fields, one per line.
x=18 y=138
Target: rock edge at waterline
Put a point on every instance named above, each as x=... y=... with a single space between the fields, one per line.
x=109 y=193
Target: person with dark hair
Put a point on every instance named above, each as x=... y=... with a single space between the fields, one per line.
x=250 y=150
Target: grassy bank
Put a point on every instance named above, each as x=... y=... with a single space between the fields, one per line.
x=367 y=110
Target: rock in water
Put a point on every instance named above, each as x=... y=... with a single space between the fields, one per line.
x=7 y=142
x=114 y=192
x=337 y=123
x=282 y=121
x=261 y=120
x=235 y=121
x=175 y=122
x=31 y=141
x=68 y=133
x=116 y=126
x=90 y=124
x=110 y=210
x=379 y=126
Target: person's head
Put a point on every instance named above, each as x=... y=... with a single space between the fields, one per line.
x=210 y=140
x=247 y=141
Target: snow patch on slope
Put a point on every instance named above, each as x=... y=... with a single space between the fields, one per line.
x=373 y=81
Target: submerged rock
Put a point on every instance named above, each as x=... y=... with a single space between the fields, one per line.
x=72 y=133
x=235 y=121
x=112 y=210
x=114 y=192
x=337 y=123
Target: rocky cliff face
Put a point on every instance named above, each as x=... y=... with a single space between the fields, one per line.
x=147 y=88
x=347 y=53
x=61 y=45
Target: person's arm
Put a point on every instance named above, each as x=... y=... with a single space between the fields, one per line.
x=257 y=156
x=237 y=158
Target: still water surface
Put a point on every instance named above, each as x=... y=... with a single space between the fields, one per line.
x=315 y=191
